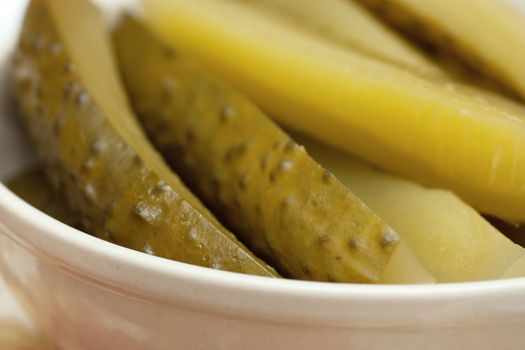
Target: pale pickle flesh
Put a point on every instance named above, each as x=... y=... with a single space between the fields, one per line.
x=450 y=238
x=433 y=131
x=405 y=268
x=516 y=270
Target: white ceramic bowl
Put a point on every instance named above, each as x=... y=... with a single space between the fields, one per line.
x=89 y=294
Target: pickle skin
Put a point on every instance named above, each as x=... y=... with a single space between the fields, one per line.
x=263 y=185
x=94 y=151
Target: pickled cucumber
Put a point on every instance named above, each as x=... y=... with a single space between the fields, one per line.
x=33 y=187
x=94 y=151
x=439 y=133
x=262 y=184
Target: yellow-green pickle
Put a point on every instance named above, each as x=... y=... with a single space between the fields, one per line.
x=94 y=152
x=263 y=185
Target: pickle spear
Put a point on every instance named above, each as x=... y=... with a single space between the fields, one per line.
x=94 y=151
x=439 y=133
x=33 y=187
x=263 y=185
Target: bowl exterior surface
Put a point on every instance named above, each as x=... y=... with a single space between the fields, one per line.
x=83 y=313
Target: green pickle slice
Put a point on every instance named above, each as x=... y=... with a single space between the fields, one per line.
x=263 y=185
x=94 y=152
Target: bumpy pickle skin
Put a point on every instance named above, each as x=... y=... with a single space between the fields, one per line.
x=32 y=186
x=263 y=185
x=71 y=101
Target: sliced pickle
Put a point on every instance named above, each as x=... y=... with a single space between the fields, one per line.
x=437 y=132
x=262 y=184
x=94 y=151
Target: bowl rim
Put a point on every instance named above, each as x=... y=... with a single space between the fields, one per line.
x=171 y=282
